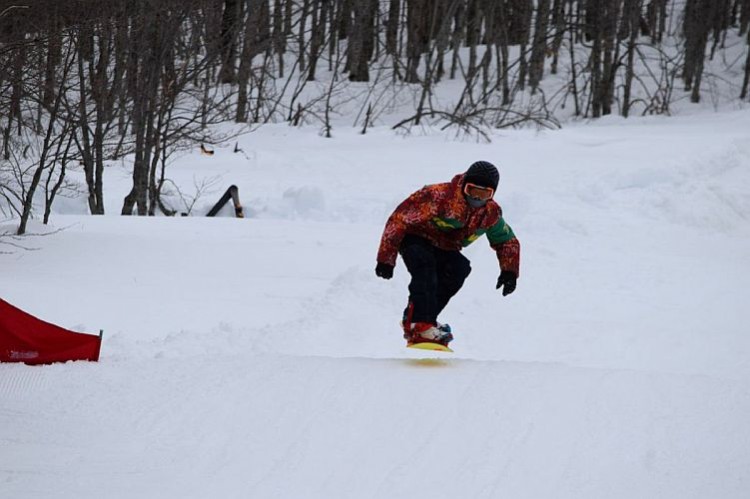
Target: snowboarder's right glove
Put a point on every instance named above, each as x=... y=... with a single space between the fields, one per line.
x=384 y=270
x=507 y=281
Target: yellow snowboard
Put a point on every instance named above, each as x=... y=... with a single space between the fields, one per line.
x=436 y=347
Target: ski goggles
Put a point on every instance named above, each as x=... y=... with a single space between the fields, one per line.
x=478 y=192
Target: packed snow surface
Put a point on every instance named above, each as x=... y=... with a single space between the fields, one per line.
x=261 y=357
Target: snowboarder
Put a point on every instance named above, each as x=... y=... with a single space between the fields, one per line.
x=429 y=229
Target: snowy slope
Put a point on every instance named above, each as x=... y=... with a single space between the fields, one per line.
x=262 y=357
x=278 y=426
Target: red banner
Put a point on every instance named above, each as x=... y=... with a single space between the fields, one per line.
x=24 y=338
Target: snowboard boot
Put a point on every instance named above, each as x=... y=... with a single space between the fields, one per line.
x=444 y=328
x=406 y=324
x=421 y=332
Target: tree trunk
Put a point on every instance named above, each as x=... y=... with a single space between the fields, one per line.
x=44 y=153
x=695 y=95
x=746 y=80
x=246 y=60
x=333 y=41
x=573 y=71
x=301 y=34
x=656 y=13
x=443 y=34
x=147 y=84
x=360 y=40
x=539 y=45
x=54 y=50
x=611 y=54
x=745 y=17
x=317 y=35
x=17 y=83
x=229 y=29
x=631 y=17
x=696 y=28
x=279 y=40
x=558 y=20
x=500 y=38
x=459 y=23
x=519 y=17
x=473 y=32
x=521 y=22
x=593 y=31
x=345 y=18
x=391 y=33
x=102 y=100
x=417 y=36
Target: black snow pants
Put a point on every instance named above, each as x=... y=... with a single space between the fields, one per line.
x=436 y=275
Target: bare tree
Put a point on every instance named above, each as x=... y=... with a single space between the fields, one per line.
x=361 y=47
x=230 y=23
x=696 y=31
x=631 y=25
x=47 y=151
x=746 y=80
x=539 y=45
x=84 y=83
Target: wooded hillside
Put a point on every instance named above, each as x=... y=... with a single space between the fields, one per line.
x=83 y=82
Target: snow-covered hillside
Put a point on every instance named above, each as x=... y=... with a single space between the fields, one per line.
x=261 y=357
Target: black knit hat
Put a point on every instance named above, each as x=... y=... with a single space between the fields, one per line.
x=483 y=173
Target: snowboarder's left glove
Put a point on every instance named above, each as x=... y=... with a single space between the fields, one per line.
x=507 y=281
x=384 y=270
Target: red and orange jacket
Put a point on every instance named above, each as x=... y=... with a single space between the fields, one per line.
x=440 y=214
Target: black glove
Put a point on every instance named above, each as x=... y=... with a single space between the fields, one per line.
x=384 y=270
x=507 y=279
